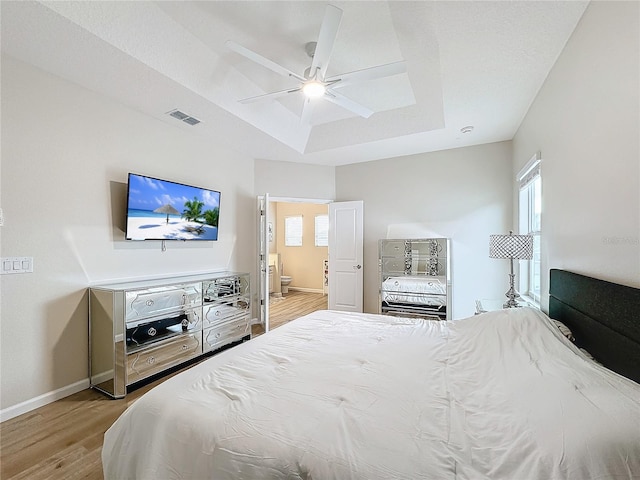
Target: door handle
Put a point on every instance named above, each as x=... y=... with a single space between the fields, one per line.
x=357 y=267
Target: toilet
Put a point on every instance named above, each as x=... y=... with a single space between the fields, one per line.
x=285 y=280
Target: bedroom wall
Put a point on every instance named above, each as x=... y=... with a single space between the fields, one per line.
x=463 y=194
x=585 y=122
x=66 y=153
x=294 y=180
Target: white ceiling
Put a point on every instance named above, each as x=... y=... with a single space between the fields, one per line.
x=469 y=63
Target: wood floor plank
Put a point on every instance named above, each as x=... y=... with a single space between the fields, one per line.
x=292 y=305
x=63 y=440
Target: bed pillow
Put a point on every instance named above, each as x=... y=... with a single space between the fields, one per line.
x=566 y=331
x=588 y=355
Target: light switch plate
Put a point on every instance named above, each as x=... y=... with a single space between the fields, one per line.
x=16 y=265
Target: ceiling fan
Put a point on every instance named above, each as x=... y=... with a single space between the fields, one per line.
x=314 y=83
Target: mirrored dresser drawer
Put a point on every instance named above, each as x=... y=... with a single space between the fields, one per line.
x=161 y=356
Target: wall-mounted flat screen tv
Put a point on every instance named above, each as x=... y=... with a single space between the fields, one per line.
x=164 y=210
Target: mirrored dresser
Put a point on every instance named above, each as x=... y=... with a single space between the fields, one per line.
x=141 y=329
x=415 y=277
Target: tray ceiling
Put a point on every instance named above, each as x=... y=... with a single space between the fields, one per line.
x=476 y=63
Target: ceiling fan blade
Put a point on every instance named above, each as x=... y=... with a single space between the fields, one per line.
x=348 y=104
x=260 y=60
x=266 y=96
x=326 y=39
x=307 y=111
x=366 y=74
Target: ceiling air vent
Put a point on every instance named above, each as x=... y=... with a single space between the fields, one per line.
x=184 y=117
x=191 y=120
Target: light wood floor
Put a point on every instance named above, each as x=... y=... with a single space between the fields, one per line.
x=292 y=305
x=63 y=440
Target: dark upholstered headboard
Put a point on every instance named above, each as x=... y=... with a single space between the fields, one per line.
x=603 y=316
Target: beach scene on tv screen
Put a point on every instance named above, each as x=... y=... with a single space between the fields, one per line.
x=163 y=210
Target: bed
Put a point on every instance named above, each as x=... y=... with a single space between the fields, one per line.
x=334 y=395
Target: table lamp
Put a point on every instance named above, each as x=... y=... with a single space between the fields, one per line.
x=511 y=246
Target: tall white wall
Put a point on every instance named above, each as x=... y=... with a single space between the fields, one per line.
x=586 y=123
x=463 y=194
x=294 y=180
x=66 y=153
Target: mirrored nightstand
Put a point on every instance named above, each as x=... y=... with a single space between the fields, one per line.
x=492 y=304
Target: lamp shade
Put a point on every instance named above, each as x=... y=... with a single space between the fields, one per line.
x=511 y=246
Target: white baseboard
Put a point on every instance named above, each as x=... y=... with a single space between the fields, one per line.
x=303 y=289
x=42 y=400
x=103 y=377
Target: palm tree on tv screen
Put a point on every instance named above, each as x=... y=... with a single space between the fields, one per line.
x=211 y=217
x=192 y=210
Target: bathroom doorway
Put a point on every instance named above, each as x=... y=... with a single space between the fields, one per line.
x=342 y=277
x=298 y=254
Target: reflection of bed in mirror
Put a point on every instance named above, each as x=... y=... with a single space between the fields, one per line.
x=414 y=278
x=415 y=294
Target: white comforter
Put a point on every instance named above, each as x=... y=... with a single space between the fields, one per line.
x=357 y=396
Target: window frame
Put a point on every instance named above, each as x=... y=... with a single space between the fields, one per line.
x=529 y=223
x=322 y=239
x=295 y=238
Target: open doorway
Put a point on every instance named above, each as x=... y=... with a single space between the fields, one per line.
x=344 y=270
x=297 y=259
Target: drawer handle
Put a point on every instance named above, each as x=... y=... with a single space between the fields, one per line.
x=152 y=331
x=149 y=302
x=217 y=313
x=218 y=334
x=185 y=347
x=151 y=360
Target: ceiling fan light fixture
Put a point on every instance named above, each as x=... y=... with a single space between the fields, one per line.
x=314 y=89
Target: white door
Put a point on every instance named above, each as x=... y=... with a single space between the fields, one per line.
x=263 y=260
x=346 y=256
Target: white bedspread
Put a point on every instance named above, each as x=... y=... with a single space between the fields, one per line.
x=357 y=396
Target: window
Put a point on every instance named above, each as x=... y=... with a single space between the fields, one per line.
x=322 y=230
x=293 y=231
x=530 y=210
